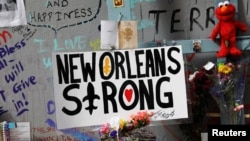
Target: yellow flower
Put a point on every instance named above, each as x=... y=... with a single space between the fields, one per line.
x=224 y=69
x=122 y=123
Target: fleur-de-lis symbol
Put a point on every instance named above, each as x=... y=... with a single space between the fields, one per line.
x=127 y=33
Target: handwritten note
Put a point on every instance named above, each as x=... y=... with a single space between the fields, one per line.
x=109 y=38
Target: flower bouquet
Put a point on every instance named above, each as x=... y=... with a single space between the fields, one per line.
x=119 y=129
x=221 y=84
x=225 y=82
x=229 y=88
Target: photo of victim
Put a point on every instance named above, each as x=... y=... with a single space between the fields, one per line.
x=8 y=5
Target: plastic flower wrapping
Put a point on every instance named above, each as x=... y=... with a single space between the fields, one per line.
x=225 y=82
x=118 y=127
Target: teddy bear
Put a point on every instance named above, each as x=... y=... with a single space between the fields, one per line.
x=226 y=28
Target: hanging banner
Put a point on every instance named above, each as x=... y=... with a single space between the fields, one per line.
x=92 y=87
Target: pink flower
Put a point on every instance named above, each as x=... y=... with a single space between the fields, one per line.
x=135 y=123
x=105 y=128
x=150 y=113
x=138 y=120
x=238 y=108
x=141 y=116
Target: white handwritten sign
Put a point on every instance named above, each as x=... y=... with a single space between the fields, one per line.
x=92 y=87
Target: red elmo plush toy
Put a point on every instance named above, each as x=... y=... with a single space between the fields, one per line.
x=227 y=28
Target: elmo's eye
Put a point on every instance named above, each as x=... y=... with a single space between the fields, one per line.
x=220 y=4
x=226 y=3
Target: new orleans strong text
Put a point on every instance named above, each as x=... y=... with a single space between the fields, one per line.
x=137 y=73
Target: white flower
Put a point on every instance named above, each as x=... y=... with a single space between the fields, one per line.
x=115 y=122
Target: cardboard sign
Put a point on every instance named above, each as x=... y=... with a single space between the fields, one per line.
x=92 y=87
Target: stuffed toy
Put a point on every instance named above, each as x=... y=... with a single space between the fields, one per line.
x=227 y=28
